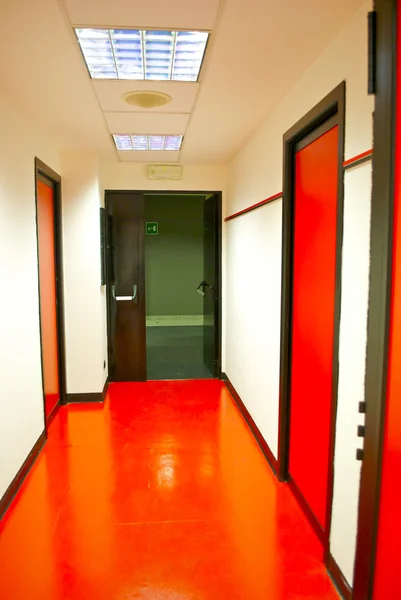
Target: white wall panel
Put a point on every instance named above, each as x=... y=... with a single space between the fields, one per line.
x=352 y=355
x=85 y=308
x=251 y=338
x=21 y=398
x=253 y=280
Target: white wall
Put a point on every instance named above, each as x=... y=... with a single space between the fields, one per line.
x=131 y=176
x=84 y=297
x=253 y=282
x=254 y=254
x=84 y=180
x=21 y=398
x=352 y=355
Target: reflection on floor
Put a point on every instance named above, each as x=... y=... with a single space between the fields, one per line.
x=175 y=353
x=159 y=494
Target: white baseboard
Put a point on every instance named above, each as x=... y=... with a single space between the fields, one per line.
x=173 y=320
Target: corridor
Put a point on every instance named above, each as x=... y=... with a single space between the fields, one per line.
x=160 y=493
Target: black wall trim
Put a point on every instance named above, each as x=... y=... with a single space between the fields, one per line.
x=317 y=528
x=42 y=170
x=251 y=424
x=18 y=480
x=84 y=397
x=338 y=578
x=53 y=414
x=89 y=396
x=328 y=113
x=379 y=296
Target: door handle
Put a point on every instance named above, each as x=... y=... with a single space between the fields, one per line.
x=201 y=288
x=132 y=298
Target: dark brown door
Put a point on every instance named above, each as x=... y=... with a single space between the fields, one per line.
x=48 y=293
x=126 y=286
x=210 y=285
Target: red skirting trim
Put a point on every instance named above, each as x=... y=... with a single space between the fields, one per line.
x=351 y=162
x=254 y=206
x=360 y=158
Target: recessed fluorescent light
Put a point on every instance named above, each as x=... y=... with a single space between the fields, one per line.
x=148 y=142
x=142 y=54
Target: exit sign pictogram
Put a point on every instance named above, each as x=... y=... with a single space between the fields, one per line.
x=152 y=228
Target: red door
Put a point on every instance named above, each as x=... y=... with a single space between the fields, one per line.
x=387 y=582
x=315 y=227
x=47 y=287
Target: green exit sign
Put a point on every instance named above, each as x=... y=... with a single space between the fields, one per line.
x=152 y=228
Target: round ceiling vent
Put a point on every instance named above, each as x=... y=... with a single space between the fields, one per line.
x=146 y=99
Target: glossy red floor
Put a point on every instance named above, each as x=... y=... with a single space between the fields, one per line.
x=159 y=494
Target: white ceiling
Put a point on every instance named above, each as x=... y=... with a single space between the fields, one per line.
x=168 y=14
x=257 y=51
x=183 y=95
x=154 y=123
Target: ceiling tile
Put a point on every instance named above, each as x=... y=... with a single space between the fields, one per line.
x=109 y=94
x=169 y=14
x=149 y=156
x=241 y=82
x=146 y=123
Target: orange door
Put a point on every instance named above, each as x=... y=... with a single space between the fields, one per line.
x=47 y=286
x=387 y=581
x=315 y=227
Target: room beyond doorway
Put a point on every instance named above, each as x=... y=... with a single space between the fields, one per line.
x=174 y=256
x=164 y=285
x=175 y=245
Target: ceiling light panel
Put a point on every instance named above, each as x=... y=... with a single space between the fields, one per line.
x=148 y=142
x=143 y=54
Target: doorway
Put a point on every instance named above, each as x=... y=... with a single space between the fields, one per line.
x=48 y=227
x=164 y=285
x=312 y=240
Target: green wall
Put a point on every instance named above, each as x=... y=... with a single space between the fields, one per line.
x=174 y=258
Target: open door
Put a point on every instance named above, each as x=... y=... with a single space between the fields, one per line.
x=126 y=286
x=210 y=286
x=126 y=293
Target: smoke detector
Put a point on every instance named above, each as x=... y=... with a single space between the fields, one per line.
x=146 y=99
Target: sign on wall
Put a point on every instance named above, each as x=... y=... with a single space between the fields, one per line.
x=152 y=228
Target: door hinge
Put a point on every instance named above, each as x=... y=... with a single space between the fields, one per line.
x=372 y=33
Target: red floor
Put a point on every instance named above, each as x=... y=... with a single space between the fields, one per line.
x=159 y=494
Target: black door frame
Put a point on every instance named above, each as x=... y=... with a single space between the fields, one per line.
x=325 y=115
x=42 y=171
x=219 y=215
x=381 y=254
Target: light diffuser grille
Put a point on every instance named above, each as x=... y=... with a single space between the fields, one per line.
x=147 y=142
x=143 y=54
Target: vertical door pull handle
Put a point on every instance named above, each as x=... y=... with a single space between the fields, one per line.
x=132 y=298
